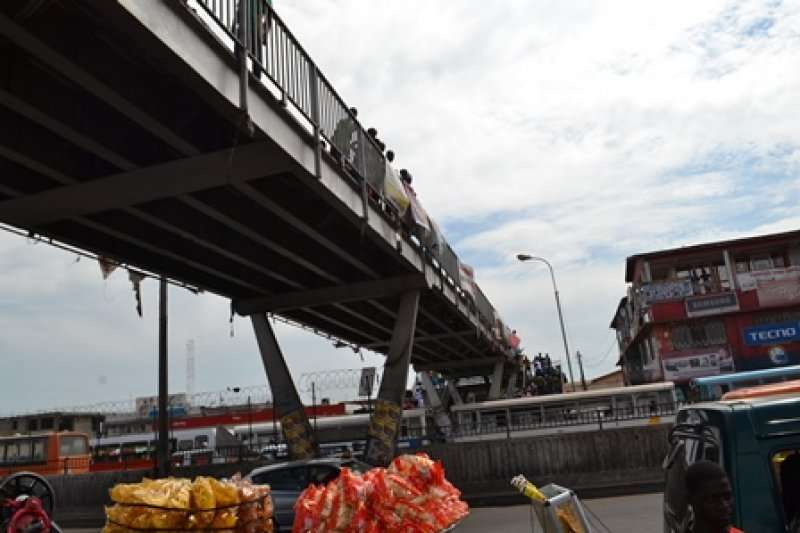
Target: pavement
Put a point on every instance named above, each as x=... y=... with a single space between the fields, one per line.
x=626 y=514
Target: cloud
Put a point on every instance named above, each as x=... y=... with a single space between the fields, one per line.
x=580 y=131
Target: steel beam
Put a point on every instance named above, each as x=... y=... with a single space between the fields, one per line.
x=354 y=292
x=464 y=363
x=454 y=394
x=427 y=338
x=300 y=439
x=384 y=425
x=434 y=401
x=496 y=387
x=133 y=187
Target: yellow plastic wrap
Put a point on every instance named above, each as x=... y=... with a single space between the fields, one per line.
x=174 y=504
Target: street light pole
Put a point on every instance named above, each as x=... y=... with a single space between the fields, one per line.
x=526 y=257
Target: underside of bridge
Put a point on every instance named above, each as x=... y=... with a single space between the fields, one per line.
x=121 y=134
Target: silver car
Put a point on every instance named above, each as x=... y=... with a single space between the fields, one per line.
x=289 y=479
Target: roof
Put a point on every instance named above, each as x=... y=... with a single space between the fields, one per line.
x=770 y=416
x=622 y=303
x=761 y=239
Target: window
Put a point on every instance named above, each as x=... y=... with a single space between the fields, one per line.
x=201 y=441
x=72 y=445
x=15 y=425
x=66 y=424
x=48 y=422
x=698 y=335
x=321 y=474
x=293 y=479
x=39 y=447
x=33 y=424
x=185 y=445
x=786 y=469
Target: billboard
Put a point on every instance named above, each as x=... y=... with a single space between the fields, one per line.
x=147 y=406
x=711 y=304
x=774 y=286
x=767 y=334
x=662 y=291
x=686 y=365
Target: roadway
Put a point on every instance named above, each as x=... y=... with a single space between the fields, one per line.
x=626 y=514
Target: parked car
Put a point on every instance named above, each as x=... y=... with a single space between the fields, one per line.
x=289 y=479
x=756 y=440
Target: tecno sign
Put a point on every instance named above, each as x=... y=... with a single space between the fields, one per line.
x=772 y=334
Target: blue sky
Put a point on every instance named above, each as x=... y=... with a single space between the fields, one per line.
x=581 y=131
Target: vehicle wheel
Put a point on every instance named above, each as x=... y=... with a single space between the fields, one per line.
x=29 y=484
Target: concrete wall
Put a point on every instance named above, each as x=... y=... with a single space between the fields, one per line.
x=586 y=461
x=600 y=462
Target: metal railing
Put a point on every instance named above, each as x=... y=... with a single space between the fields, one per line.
x=276 y=58
x=532 y=420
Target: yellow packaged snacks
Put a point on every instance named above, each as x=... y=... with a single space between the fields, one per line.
x=174 y=504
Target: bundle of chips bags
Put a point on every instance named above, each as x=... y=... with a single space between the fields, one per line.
x=173 y=504
x=410 y=496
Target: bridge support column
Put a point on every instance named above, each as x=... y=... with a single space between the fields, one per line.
x=513 y=381
x=496 y=387
x=440 y=416
x=384 y=424
x=454 y=394
x=301 y=441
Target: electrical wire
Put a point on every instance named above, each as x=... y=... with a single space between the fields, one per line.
x=597 y=362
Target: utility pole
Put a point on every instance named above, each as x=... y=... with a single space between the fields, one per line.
x=163 y=392
x=580 y=365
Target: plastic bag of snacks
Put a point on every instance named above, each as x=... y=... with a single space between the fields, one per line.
x=410 y=496
x=173 y=504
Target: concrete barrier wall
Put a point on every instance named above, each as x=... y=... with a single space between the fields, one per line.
x=582 y=460
x=599 y=462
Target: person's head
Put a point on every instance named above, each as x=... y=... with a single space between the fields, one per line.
x=354 y=111
x=405 y=176
x=372 y=132
x=708 y=490
x=389 y=156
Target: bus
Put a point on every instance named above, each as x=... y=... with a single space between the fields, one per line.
x=713 y=387
x=138 y=450
x=49 y=454
x=337 y=435
x=637 y=405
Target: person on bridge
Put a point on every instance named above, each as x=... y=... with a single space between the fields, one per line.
x=710 y=495
x=342 y=140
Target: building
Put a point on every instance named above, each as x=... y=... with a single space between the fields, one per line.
x=607 y=381
x=43 y=423
x=709 y=309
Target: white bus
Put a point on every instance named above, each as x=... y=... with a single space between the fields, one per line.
x=564 y=413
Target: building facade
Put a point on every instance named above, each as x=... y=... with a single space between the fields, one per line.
x=710 y=309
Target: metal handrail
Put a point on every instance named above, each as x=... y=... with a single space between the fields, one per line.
x=274 y=52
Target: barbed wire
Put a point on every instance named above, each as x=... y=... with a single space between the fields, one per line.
x=348 y=378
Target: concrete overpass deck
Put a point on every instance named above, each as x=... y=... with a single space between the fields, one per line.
x=133 y=130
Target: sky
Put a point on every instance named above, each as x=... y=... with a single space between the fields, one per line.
x=579 y=131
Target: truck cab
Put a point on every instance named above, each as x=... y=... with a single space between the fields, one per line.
x=757 y=441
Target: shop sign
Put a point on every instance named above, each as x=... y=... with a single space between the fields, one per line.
x=711 y=304
x=772 y=334
x=696 y=365
x=666 y=290
x=775 y=286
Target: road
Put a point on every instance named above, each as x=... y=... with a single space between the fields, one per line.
x=626 y=514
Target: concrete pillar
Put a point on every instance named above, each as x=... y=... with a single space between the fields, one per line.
x=301 y=441
x=513 y=380
x=435 y=403
x=454 y=394
x=496 y=388
x=726 y=255
x=384 y=424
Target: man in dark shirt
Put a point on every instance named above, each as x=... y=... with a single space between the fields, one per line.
x=711 y=497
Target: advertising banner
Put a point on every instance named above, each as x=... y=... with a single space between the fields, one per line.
x=711 y=304
x=768 y=334
x=683 y=366
x=774 y=286
x=666 y=290
x=147 y=406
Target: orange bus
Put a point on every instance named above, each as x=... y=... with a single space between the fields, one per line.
x=65 y=452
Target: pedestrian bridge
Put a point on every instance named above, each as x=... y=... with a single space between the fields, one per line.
x=195 y=140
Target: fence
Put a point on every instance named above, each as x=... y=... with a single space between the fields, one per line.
x=510 y=422
x=278 y=60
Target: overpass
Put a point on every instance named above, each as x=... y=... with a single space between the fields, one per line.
x=194 y=140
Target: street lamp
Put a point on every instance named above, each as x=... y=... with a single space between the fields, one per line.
x=526 y=257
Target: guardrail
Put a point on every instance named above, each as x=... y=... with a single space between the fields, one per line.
x=530 y=421
x=267 y=49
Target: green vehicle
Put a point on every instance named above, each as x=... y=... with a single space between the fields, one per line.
x=757 y=442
